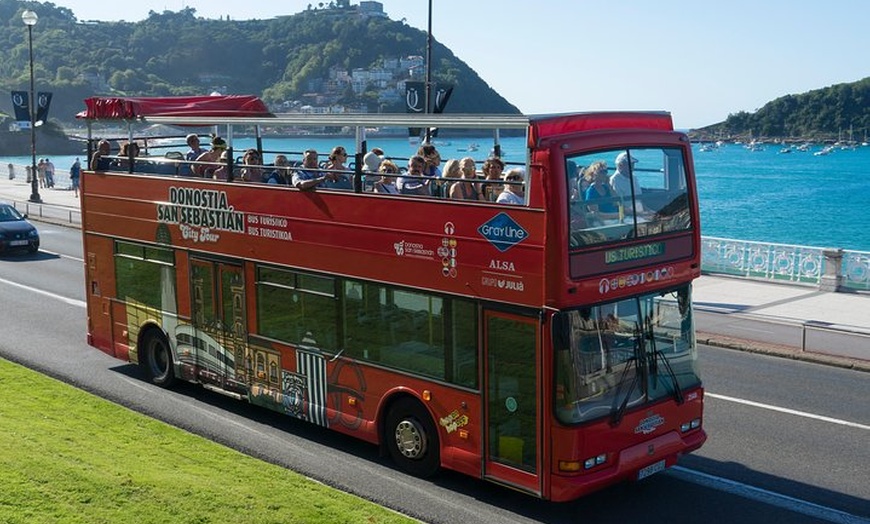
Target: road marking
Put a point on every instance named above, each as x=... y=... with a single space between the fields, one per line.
x=790 y=411
x=767 y=497
x=61 y=255
x=70 y=301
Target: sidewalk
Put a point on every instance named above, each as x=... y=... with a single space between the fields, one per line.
x=59 y=205
x=790 y=320
x=795 y=321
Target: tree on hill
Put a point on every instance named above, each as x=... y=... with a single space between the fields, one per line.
x=819 y=114
x=179 y=53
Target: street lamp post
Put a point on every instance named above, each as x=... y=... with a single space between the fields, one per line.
x=29 y=18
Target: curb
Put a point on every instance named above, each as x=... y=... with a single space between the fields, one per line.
x=782 y=351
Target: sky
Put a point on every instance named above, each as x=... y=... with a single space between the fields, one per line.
x=701 y=61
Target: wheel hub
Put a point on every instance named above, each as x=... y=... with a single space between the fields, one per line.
x=410 y=439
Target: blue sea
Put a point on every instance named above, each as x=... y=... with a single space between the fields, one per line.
x=796 y=198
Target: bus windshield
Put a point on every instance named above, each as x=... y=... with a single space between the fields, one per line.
x=617 y=194
x=623 y=354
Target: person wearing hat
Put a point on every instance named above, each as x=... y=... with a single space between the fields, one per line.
x=206 y=162
x=623 y=180
x=371 y=164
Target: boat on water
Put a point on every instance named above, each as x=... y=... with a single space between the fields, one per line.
x=827 y=150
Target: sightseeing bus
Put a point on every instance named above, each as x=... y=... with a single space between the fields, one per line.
x=547 y=345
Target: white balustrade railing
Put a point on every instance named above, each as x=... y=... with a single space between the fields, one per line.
x=830 y=269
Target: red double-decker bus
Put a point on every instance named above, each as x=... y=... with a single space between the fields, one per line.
x=546 y=345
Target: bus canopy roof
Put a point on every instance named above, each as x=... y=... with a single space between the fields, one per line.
x=133 y=108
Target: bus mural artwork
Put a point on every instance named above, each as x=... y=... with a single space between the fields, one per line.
x=546 y=344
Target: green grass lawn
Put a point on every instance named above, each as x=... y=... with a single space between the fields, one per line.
x=67 y=456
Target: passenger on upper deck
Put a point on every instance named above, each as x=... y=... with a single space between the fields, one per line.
x=279 y=174
x=252 y=170
x=432 y=158
x=452 y=169
x=623 y=180
x=465 y=189
x=99 y=162
x=415 y=183
x=195 y=148
x=336 y=176
x=309 y=176
x=371 y=162
x=373 y=159
x=492 y=170
x=210 y=158
x=128 y=150
x=513 y=193
x=600 y=195
x=220 y=172
x=387 y=183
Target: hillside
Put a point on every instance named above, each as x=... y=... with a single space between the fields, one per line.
x=822 y=114
x=335 y=56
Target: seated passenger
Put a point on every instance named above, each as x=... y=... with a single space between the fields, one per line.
x=414 y=183
x=195 y=148
x=513 y=192
x=207 y=162
x=279 y=174
x=599 y=195
x=99 y=162
x=371 y=163
x=220 y=172
x=432 y=159
x=252 y=170
x=387 y=183
x=336 y=174
x=492 y=170
x=465 y=189
x=309 y=176
x=129 y=150
x=624 y=183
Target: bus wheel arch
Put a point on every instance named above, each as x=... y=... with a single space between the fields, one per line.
x=411 y=437
x=155 y=356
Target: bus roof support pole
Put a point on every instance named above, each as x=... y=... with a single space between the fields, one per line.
x=231 y=157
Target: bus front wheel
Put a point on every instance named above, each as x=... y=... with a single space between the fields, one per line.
x=158 y=359
x=412 y=438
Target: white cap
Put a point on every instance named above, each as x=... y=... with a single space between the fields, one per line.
x=622 y=158
x=372 y=161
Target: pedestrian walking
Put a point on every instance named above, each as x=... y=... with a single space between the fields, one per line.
x=49 y=173
x=75 y=171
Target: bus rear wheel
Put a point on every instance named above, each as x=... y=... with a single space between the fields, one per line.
x=412 y=438
x=158 y=359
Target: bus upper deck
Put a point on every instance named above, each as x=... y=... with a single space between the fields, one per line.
x=613 y=243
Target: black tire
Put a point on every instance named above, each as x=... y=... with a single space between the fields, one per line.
x=157 y=359
x=412 y=438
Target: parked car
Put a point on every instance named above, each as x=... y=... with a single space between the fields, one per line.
x=15 y=231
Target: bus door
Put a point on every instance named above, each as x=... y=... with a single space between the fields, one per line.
x=219 y=326
x=513 y=403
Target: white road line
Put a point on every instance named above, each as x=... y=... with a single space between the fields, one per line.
x=767 y=497
x=789 y=411
x=70 y=301
x=61 y=255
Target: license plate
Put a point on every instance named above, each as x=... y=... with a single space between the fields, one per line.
x=652 y=469
x=18 y=242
